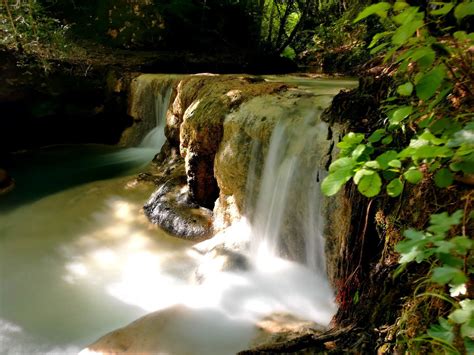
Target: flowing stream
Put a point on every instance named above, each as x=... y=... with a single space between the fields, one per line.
x=78 y=258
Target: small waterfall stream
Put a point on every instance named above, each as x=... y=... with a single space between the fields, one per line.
x=156 y=137
x=81 y=260
x=289 y=199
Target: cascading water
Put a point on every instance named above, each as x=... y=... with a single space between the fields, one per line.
x=156 y=137
x=87 y=262
x=288 y=205
x=153 y=97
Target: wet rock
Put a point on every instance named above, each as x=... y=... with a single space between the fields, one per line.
x=177 y=330
x=145 y=92
x=6 y=182
x=162 y=332
x=194 y=119
x=195 y=124
x=247 y=133
x=171 y=208
x=283 y=327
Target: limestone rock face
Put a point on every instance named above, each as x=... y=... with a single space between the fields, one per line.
x=200 y=108
x=337 y=212
x=143 y=107
x=247 y=133
x=194 y=114
x=221 y=127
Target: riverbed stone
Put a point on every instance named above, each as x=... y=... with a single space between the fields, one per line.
x=171 y=208
x=165 y=332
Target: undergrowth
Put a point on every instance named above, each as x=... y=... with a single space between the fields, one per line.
x=426 y=138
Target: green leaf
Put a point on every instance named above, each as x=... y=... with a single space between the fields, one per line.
x=413 y=234
x=395 y=164
x=430 y=82
x=455 y=166
x=467 y=329
x=378 y=48
x=467 y=164
x=465 y=314
x=385 y=158
x=395 y=188
x=460 y=35
x=377 y=37
x=464 y=9
x=407 y=30
x=356 y=297
x=380 y=9
x=342 y=164
x=424 y=56
x=361 y=173
x=333 y=182
x=462 y=244
x=340 y=171
x=469 y=345
x=445 y=126
x=442 y=331
x=413 y=248
x=443 y=178
x=441 y=223
x=448 y=274
x=440 y=97
x=400 y=5
x=428 y=136
x=387 y=140
x=443 y=10
x=424 y=151
x=405 y=89
x=370 y=185
x=434 y=166
x=359 y=151
x=444 y=246
x=413 y=176
x=450 y=260
x=398 y=115
x=353 y=138
x=408 y=15
x=372 y=164
x=376 y=136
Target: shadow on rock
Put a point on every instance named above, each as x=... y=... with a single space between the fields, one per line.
x=171 y=208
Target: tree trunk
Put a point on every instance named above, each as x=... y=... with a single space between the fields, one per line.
x=281 y=31
x=293 y=33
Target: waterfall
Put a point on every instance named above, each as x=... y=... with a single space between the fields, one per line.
x=150 y=98
x=156 y=137
x=286 y=216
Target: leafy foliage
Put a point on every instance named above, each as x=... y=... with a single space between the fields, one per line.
x=441 y=142
x=26 y=24
x=427 y=136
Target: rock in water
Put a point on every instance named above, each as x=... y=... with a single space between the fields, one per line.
x=171 y=208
